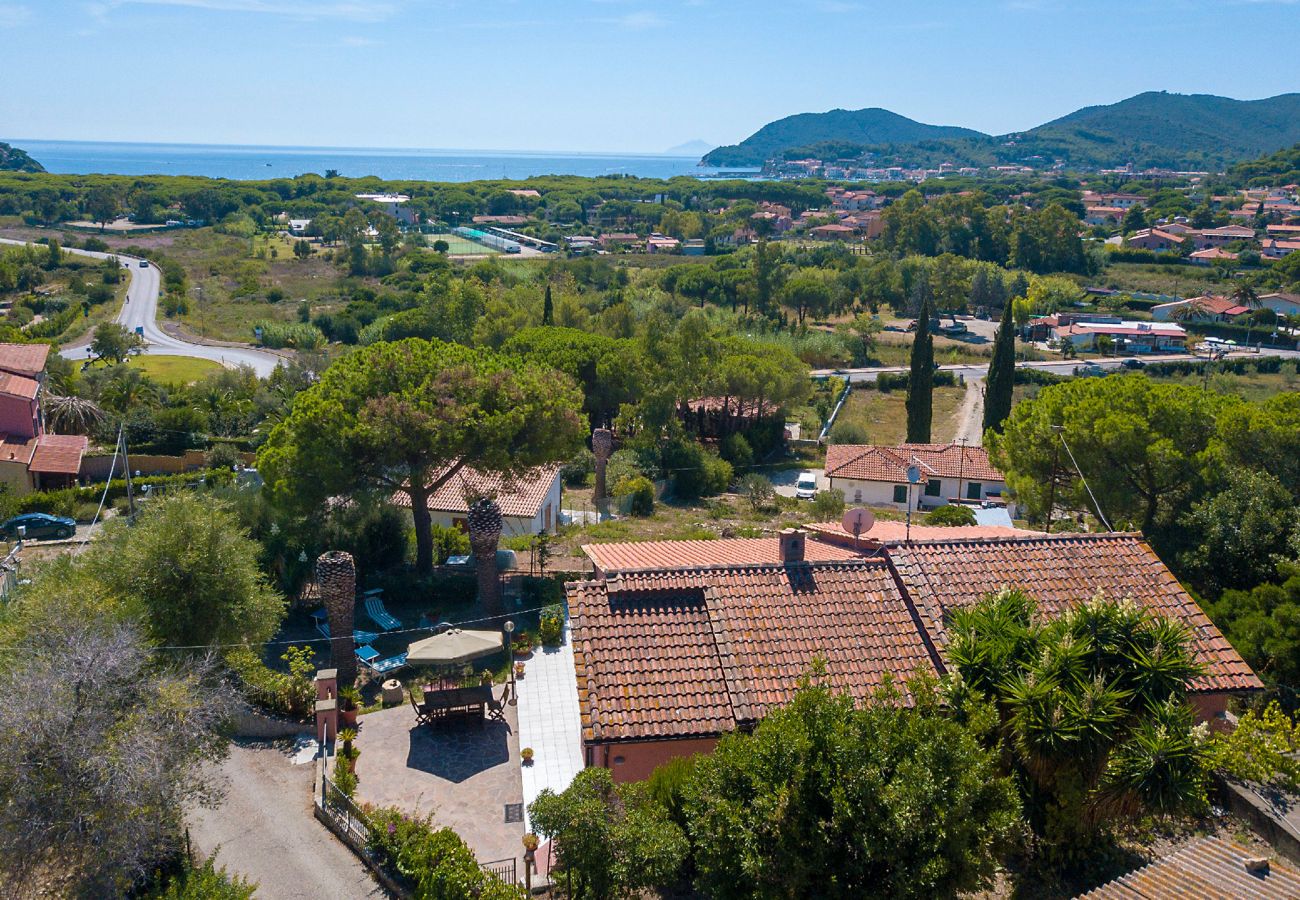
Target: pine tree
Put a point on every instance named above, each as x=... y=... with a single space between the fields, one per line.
x=548 y=308
x=1002 y=373
x=920 y=384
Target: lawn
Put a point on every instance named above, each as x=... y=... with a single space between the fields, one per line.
x=176 y=370
x=884 y=415
x=459 y=246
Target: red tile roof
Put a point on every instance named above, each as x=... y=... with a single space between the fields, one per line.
x=24 y=359
x=888 y=532
x=1059 y=571
x=701 y=651
x=16 y=448
x=520 y=497
x=18 y=386
x=1211 y=868
x=867 y=462
x=59 y=454
x=634 y=555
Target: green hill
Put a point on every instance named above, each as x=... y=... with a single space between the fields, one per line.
x=1155 y=129
x=864 y=127
x=14 y=160
x=1282 y=167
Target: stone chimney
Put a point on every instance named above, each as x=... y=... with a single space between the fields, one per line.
x=792 y=545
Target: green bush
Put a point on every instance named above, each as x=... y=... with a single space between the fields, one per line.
x=848 y=432
x=577 y=470
x=64 y=502
x=828 y=505
x=951 y=515
x=545 y=590
x=551 y=629
x=694 y=471
x=449 y=541
x=277 y=692
x=736 y=450
x=205 y=882
x=435 y=864
x=297 y=335
x=642 y=492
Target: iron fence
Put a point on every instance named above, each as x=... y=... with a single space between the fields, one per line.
x=503 y=869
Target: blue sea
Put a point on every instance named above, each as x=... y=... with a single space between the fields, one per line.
x=255 y=163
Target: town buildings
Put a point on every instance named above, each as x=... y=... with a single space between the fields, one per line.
x=31 y=458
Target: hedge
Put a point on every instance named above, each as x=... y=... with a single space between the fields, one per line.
x=1038 y=376
x=65 y=499
x=1265 y=365
x=432 y=863
x=898 y=381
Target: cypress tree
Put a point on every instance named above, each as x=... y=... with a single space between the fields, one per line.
x=548 y=308
x=920 y=383
x=1002 y=373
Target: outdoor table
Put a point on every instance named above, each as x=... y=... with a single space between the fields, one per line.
x=469 y=702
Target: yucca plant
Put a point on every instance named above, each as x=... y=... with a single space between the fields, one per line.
x=485 y=524
x=336 y=574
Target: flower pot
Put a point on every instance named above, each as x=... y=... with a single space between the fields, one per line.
x=347 y=718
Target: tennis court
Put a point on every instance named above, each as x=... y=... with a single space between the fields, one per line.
x=459 y=246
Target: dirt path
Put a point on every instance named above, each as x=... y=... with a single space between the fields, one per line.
x=970 y=417
x=265 y=831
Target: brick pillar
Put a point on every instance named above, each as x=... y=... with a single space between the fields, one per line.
x=327 y=706
x=327 y=684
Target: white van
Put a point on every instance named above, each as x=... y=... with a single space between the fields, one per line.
x=806 y=487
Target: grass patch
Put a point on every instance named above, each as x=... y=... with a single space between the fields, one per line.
x=175 y=369
x=460 y=246
x=884 y=416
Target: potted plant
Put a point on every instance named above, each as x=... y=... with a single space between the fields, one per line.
x=349 y=703
x=526 y=755
x=519 y=670
x=530 y=842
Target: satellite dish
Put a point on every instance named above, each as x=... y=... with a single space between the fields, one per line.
x=858 y=521
x=913 y=474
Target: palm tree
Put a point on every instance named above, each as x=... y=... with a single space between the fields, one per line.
x=1244 y=294
x=70 y=414
x=484 y=521
x=1192 y=310
x=336 y=574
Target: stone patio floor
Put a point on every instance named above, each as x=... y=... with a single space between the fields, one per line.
x=463 y=773
x=549 y=719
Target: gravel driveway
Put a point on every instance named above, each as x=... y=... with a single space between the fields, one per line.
x=265 y=830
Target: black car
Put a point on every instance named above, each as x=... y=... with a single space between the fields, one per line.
x=1133 y=364
x=39 y=525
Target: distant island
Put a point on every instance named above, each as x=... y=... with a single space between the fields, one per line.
x=1151 y=130
x=690 y=148
x=14 y=160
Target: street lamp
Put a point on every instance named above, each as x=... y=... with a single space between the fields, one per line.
x=510 y=650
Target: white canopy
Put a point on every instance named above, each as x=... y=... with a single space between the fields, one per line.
x=454 y=647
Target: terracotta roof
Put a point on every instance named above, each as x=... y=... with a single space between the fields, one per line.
x=24 y=359
x=1212 y=868
x=642 y=555
x=59 y=454
x=888 y=532
x=17 y=448
x=521 y=497
x=701 y=651
x=1062 y=570
x=866 y=462
x=18 y=386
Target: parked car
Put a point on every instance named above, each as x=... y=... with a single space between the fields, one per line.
x=1133 y=364
x=1089 y=369
x=39 y=525
x=806 y=487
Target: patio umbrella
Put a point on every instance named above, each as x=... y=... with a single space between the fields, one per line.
x=452 y=648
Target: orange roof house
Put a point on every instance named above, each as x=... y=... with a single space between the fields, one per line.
x=529 y=503
x=877 y=474
x=670 y=657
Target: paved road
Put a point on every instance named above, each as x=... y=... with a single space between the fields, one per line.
x=265 y=830
x=141 y=311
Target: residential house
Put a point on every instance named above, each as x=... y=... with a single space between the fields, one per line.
x=1284 y=232
x=1155 y=240
x=393 y=205
x=694 y=247
x=1212 y=866
x=870 y=225
x=530 y=193
x=780 y=224
x=659 y=243
x=1211 y=256
x=1115 y=201
x=31 y=458
x=580 y=243
x=877 y=475
x=1217 y=237
x=530 y=504
x=1126 y=336
x=1275 y=249
x=299 y=226
x=619 y=240
x=671 y=653
x=1104 y=215
x=1282 y=303
x=1201 y=309
x=834 y=232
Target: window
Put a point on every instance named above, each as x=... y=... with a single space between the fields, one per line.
x=973 y=490
x=934 y=488
x=857 y=496
x=900 y=493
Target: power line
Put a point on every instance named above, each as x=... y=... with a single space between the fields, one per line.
x=1095 y=504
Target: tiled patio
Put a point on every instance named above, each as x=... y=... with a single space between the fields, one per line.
x=549 y=720
x=463 y=773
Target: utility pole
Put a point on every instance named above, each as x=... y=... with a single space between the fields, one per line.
x=1051 y=479
x=126 y=460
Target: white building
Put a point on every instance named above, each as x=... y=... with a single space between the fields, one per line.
x=877 y=476
x=530 y=504
x=394 y=205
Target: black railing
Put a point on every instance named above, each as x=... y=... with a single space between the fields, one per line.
x=503 y=869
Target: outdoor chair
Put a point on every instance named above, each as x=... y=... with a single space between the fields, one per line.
x=383 y=618
x=369 y=657
x=422 y=716
x=323 y=626
x=496 y=709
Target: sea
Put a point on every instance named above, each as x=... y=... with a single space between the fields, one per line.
x=246 y=163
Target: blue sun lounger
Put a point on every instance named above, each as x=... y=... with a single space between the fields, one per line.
x=368 y=656
x=323 y=626
x=375 y=608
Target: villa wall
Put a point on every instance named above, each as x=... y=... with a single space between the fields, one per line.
x=634 y=761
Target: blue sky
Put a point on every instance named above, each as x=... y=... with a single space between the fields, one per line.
x=604 y=75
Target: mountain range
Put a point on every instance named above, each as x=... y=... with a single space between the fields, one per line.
x=1153 y=129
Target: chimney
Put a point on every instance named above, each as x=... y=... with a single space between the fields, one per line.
x=792 y=545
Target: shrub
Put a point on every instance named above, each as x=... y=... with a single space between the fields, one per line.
x=759 y=490
x=223 y=455
x=642 y=492
x=848 y=432
x=576 y=470
x=695 y=472
x=284 y=694
x=435 y=864
x=551 y=629
x=543 y=591
x=952 y=514
x=63 y=502
x=297 y=335
x=449 y=541
x=828 y=505
x=736 y=450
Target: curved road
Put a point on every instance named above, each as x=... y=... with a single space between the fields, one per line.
x=141 y=311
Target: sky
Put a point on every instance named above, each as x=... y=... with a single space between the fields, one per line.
x=603 y=75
